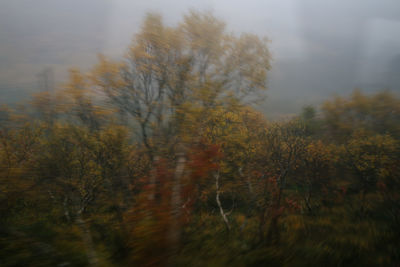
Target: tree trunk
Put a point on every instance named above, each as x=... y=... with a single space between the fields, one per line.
x=153 y=178
x=176 y=201
x=221 y=210
x=87 y=241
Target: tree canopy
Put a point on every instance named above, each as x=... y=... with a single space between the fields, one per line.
x=161 y=159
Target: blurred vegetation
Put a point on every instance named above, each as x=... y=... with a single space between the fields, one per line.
x=161 y=160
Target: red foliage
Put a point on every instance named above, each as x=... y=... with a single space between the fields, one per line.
x=203 y=159
x=151 y=216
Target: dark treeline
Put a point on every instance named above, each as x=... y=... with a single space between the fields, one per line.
x=160 y=159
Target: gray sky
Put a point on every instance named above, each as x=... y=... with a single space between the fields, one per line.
x=320 y=48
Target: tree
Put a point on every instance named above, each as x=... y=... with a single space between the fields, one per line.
x=173 y=79
x=313 y=174
x=167 y=68
x=378 y=114
x=370 y=158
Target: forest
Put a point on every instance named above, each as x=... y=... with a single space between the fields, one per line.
x=163 y=159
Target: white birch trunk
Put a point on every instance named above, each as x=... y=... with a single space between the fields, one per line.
x=221 y=210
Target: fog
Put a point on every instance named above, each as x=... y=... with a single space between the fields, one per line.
x=319 y=48
x=156 y=133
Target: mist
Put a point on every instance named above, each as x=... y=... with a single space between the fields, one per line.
x=319 y=48
x=188 y=133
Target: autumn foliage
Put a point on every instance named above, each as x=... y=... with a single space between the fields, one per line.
x=161 y=159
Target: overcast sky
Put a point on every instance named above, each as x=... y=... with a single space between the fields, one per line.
x=319 y=47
